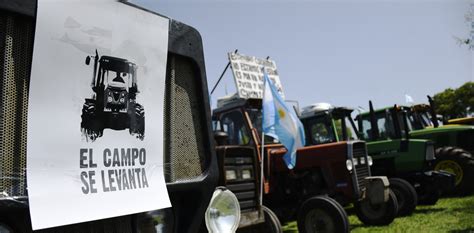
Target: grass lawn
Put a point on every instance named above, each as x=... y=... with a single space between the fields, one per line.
x=448 y=215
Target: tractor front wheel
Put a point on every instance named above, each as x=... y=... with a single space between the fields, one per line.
x=322 y=214
x=377 y=214
x=406 y=196
x=460 y=163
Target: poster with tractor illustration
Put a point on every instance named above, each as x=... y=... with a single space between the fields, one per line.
x=95 y=112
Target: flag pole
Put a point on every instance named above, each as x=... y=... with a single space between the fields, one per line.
x=261 y=168
x=262 y=148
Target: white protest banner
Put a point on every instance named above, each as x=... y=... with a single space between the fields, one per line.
x=248 y=75
x=95 y=120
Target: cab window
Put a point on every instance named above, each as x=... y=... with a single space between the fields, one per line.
x=343 y=123
x=384 y=125
x=256 y=118
x=365 y=129
x=320 y=132
x=234 y=125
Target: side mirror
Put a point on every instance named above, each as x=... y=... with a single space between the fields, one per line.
x=220 y=137
x=88 y=60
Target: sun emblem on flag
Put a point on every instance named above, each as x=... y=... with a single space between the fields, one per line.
x=281 y=113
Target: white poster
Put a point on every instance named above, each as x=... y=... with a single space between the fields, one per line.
x=95 y=120
x=248 y=75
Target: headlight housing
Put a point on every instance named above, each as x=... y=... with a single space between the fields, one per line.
x=246 y=174
x=223 y=212
x=370 y=161
x=430 y=152
x=230 y=175
x=349 y=165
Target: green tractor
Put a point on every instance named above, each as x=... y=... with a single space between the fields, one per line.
x=410 y=178
x=454 y=144
x=396 y=154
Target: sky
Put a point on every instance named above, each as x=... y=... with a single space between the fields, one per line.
x=341 y=52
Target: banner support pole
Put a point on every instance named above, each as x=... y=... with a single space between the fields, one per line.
x=222 y=75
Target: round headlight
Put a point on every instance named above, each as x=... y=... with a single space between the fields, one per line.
x=349 y=165
x=223 y=213
x=369 y=160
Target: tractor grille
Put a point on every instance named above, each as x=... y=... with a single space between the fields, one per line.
x=244 y=189
x=184 y=128
x=16 y=44
x=361 y=170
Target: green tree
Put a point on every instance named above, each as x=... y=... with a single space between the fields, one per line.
x=455 y=103
x=465 y=94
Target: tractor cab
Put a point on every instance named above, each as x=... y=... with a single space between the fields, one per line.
x=114 y=83
x=420 y=117
x=385 y=124
x=325 y=124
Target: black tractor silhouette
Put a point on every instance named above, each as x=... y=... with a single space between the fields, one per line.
x=113 y=104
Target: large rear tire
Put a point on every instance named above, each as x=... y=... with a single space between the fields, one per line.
x=406 y=196
x=377 y=214
x=322 y=214
x=91 y=126
x=460 y=163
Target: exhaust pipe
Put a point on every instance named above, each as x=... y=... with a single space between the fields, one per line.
x=434 y=119
x=373 y=122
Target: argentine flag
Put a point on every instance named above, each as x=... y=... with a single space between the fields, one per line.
x=281 y=122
